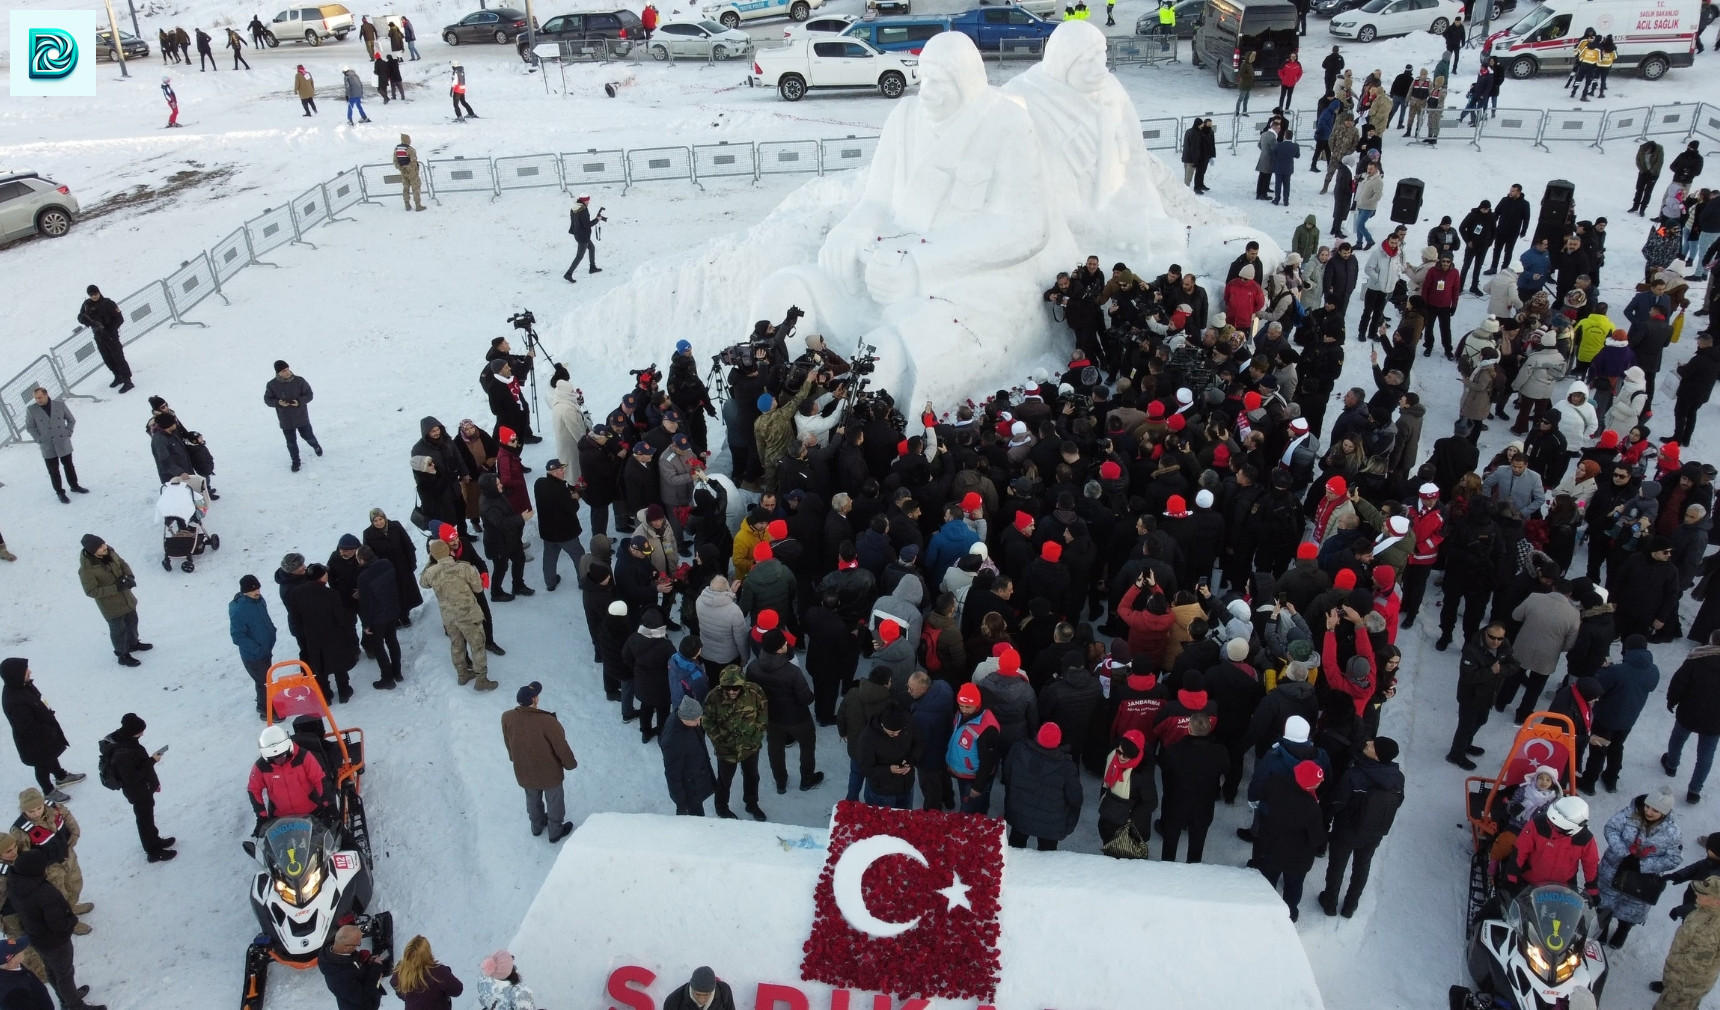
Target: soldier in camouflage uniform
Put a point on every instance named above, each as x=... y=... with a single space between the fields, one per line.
x=52 y=828
x=1693 y=963
x=774 y=429
x=11 y=847
x=735 y=717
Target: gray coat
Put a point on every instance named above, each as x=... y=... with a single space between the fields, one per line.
x=1268 y=141
x=294 y=389
x=723 y=628
x=1550 y=623
x=51 y=427
x=1543 y=368
x=354 y=86
x=1661 y=844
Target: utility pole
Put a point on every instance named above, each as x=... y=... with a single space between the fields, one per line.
x=118 y=43
x=135 y=30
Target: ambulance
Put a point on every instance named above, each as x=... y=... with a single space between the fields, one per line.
x=1652 y=36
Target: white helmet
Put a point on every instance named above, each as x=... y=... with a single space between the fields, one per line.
x=274 y=742
x=1570 y=814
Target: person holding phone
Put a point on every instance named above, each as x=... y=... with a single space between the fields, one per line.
x=133 y=768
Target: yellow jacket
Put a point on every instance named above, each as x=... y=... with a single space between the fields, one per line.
x=1592 y=334
x=1588 y=52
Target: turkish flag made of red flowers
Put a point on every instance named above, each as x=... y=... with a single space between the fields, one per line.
x=907 y=904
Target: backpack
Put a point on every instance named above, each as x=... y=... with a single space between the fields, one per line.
x=402 y=156
x=1374 y=814
x=104 y=763
x=930 y=661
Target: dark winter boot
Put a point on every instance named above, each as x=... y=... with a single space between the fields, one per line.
x=498 y=595
x=1328 y=903
x=724 y=811
x=1351 y=900
x=757 y=814
x=524 y=590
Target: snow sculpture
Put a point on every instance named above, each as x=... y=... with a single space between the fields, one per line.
x=951 y=240
x=1091 y=142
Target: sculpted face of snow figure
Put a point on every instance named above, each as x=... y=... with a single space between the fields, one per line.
x=1092 y=145
x=955 y=223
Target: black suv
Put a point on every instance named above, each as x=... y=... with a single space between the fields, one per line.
x=592 y=26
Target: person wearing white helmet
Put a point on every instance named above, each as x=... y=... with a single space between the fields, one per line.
x=457 y=91
x=1557 y=847
x=286 y=780
x=172 y=101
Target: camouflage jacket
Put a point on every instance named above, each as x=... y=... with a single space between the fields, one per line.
x=735 y=728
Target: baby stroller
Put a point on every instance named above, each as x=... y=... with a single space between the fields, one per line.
x=181 y=509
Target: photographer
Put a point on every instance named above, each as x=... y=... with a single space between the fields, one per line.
x=690 y=394
x=741 y=412
x=501 y=383
x=580 y=224
x=1079 y=310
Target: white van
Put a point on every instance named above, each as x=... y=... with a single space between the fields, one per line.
x=1651 y=35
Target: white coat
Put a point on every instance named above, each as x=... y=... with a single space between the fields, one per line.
x=567 y=421
x=1578 y=424
x=1629 y=403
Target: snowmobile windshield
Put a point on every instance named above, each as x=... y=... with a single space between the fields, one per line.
x=295 y=850
x=1552 y=925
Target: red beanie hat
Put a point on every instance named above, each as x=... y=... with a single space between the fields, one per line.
x=1309 y=775
x=902 y=447
x=1338 y=486
x=1177 y=422
x=1345 y=579
x=972 y=502
x=1609 y=439
x=768 y=620
x=1194 y=701
x=1221 y=456
x=1051 y=551
x=1109 y=470
x=1251 y=400
x=1009 y=664
x=778 y=529
x=1155 y=410
x=1176 y=505
x=1385 y=577
x=762 y=552
x=889 y=631
x=1050 y=736
x=450 y=534
x=1023 y=521
x=968 y=695
x=504 y=435
x=1308 y=551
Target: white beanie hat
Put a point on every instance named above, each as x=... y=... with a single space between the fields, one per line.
x=1296 y=729
x=1203 y=498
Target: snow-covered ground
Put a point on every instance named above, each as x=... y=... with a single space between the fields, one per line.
x=388 y=319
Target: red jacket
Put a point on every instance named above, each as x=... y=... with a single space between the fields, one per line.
x=648 y=18
x=1334 y=674
x=1441 y=289
x=294 y=786
x=1428 y=528
x=510 y=473
x=1149 y=633
x=1290 y=73
x=1243 y=300
x=1546 y=855
x=1139 y=701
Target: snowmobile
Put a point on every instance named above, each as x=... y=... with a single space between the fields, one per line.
x=1535 y=954
x=314 y=875
x=1545 y=738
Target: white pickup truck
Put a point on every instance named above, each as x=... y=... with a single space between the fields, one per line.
x=820 y=62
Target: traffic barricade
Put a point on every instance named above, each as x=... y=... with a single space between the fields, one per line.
x=16 y=394
x=309 y=209
x=1707 y=122
x=787 y=157
x=1161 y=134
x=189 y=285
x=656 y=164
x=144 y=310
x=341 y=192
x=230 y=255
x=592 y=168
x=271 y=229
x=77 y=357
x=1580 y=125
x=1676 y=118
x=1510 y=124
x=1623 y=124
x=849 y=152
x=712 y=161
x=463 y=175
x=378 y=182
x=528 y=171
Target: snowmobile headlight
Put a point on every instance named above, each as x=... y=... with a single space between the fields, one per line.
x=1563 y=969
x=312 y=884
x=1538 y=961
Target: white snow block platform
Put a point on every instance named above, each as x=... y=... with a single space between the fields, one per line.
x=635 y=902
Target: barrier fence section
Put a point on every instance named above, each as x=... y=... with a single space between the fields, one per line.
x=165 y=302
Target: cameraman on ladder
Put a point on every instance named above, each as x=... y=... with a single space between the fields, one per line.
x=579 y=226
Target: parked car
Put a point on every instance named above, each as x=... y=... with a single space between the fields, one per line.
x=832 y=64
x=135 y=48
x=498 y=24
x=701 y=40
x=1040 y=8
x=311 y=24
x=1545 y=39
x=992 y=27
x=1188 y=19
x=899 y=35
x=1229 y=29
x=824 y=24
x=888 y=8
x=1332 y=8
x=620 y=26
x=1395 y=17
x=30 y=204
x=730 y=15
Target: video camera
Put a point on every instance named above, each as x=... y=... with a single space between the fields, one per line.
x=866 y=362
x=523 y=320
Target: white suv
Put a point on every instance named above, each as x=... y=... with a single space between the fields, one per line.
x=313 y=24
x=813 y=63
x=731 y=14
x=31 y=204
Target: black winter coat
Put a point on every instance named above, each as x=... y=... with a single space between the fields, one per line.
x=557 y=510
x=876 y=751
x=439 y=492
x=1073 y=701
x=1291 y=828
x=1476 y=681
x=1511 y=217
x=1694 y=693
x=171 y=456
x=1595 y=634
x=635 y=582
x=35 y=728
x=46 y=917
x=1192 y=768
x=1654 y=591
x=133 y=768
x=1366 y=800
x=600 y=467
x=785 y=688
x=1044 y=791
x=393 y=544
x=1290 y=697
x=355 y=985
x=504 y=528
x=640 y=486
x=686 y=763
x=1625 y=689
x=378 y=596
x=326 y=627
x=20 y=990
x=647 y=661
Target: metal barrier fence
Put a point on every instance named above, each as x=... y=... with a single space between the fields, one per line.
x=165 y=302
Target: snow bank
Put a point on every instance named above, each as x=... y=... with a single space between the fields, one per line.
x=1079 y=932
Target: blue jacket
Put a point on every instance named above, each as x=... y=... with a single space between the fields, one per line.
x=1625 y=687
x=686 y=676
x=1642 y=301
x=1284 y=156
x=1537 y=266
x=934 y=715
x=946 y=548
x=250 y=627
x=1282 y=760
x=1328 y=119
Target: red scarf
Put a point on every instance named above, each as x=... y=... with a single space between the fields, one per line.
x=1323 y=514
x=1120 y=765
x=1583 y=709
